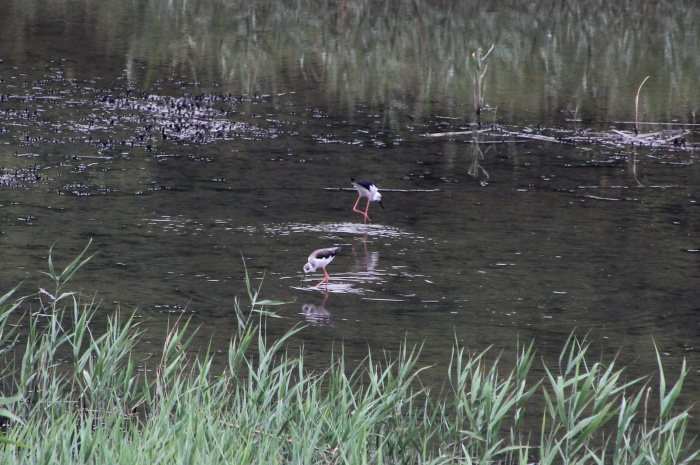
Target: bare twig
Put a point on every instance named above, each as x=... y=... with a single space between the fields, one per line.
x=636 y=105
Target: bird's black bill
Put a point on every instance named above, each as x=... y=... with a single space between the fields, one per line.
x=380 y=203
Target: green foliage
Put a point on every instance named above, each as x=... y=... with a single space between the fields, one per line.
x=76 y=397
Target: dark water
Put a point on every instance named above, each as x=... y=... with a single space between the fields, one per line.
x=183 y=141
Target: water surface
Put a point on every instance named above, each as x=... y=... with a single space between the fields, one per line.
x=184 y=139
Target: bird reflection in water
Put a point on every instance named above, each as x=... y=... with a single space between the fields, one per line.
x=365 y=262
x=316 y=313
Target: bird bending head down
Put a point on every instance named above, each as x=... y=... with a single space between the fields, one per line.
x=367 y=189
x=320 y=259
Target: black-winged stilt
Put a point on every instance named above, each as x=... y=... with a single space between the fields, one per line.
x=366 y=189
x=320 y=259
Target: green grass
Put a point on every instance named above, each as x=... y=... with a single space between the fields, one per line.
x=73 y=396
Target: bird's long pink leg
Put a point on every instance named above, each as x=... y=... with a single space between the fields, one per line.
x=355 y=207
x=366 y=210
x=325 y=280
x=360 y=211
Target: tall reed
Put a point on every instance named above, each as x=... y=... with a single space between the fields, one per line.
x=479 y=69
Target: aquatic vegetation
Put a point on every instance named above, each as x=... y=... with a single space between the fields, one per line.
x=390 y=55
x=478 y=72
x=19 y=176
x=71 y=395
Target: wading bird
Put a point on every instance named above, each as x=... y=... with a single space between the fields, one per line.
x=366 y=189
x=320 y=259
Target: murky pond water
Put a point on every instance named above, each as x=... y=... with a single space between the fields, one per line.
x=187 y=141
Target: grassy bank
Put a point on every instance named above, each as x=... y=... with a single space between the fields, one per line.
x=73 y=396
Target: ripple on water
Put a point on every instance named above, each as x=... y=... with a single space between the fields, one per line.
x=333 y=287
x=370 y=230
x=178 y=224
